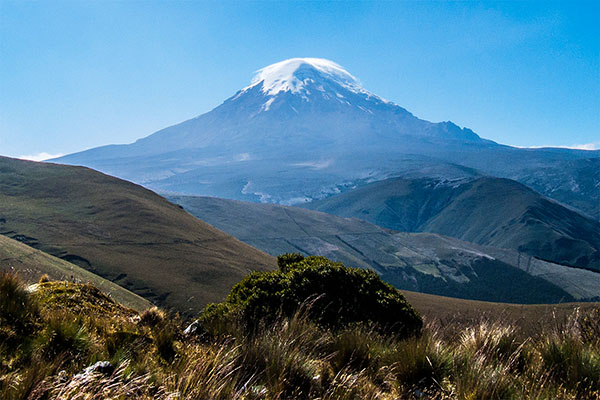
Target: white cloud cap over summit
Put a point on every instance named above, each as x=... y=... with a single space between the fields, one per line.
x=306 y=77
x=293 y=75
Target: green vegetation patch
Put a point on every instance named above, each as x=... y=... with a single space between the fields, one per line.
x=78 y=298
x=333 y=295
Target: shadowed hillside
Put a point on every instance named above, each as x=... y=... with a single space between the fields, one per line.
x=490 y=211
x=122 y=232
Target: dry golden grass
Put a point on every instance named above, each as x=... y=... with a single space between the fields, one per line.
x=452 y=314
x=289 y=359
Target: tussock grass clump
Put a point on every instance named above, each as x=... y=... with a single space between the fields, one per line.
x=62 y=335
x=353 y=348
x=17 y=310
x=571 y=358
x=422 y=363
x=590 y=327
x=164 y=339
x=152 y=317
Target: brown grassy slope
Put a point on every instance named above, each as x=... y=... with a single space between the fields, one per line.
x=30 y=264
x=454 y=314
x=122 y=232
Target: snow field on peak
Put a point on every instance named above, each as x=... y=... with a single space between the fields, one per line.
x=283 y=76
x=301 y=76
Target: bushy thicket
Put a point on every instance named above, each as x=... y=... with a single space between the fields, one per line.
x=331 y=294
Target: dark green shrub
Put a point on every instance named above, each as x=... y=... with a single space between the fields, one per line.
x=334 y=297
x=286 y=259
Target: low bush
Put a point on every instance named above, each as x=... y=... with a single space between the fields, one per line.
x=334 y=297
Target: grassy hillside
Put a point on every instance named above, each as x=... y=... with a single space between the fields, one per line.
x=490 y=211
x=30 y=264
x=122 y=232
x=72 y=342
x=414 y=261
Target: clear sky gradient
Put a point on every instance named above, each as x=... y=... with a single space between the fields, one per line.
x=80 y=74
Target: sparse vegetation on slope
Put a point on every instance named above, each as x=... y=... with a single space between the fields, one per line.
x=61 y=351
x=51 y=331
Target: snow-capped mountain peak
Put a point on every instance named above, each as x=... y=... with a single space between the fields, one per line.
x=307 y=78
x=295 y=74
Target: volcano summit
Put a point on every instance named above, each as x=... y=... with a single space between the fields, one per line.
x=304 y=129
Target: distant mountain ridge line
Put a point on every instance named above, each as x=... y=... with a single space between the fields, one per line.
x=488 y=211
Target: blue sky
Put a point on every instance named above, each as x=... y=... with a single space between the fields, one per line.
x=80 y=74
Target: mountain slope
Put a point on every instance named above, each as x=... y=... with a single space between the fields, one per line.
x=123 y=233
x=489 y=211
x=30 y=264
x=305 y=128
x=299 y=121
x=424 y=262
x=572 y=182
